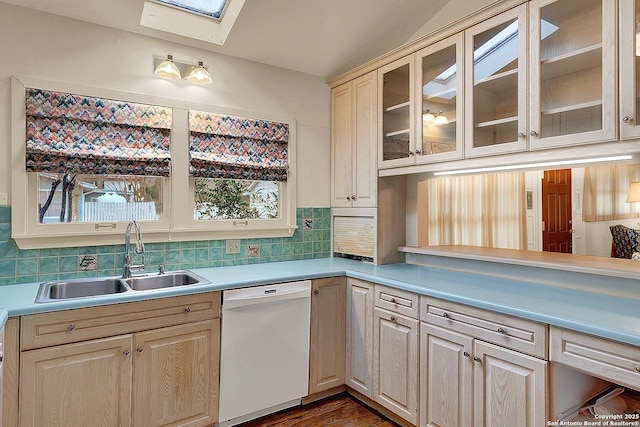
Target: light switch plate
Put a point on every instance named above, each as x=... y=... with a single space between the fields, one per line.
x=233 y=246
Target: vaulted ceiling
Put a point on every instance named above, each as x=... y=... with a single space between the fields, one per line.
x=322 y=38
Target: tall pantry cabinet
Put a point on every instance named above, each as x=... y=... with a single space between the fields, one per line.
x=354 y=171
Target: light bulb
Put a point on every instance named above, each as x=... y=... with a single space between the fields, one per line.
x=427 y=116
x=441 y=119
x=168 y=69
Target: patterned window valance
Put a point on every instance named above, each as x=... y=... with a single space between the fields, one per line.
x=69 y=133
x=237 y=148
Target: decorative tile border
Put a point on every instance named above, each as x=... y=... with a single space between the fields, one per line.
x=312 y=239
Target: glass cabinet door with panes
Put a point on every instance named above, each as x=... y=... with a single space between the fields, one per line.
x=573 y=72
x=396 y=127
x=496 y=85
x=629 y=69
x=439 y=124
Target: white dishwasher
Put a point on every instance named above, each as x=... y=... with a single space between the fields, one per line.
x=264 y=355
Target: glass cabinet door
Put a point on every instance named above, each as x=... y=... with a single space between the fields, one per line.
x=496 y=84
x=629 y=69
x=439 y=124
x=395 y=83
x=572 y=72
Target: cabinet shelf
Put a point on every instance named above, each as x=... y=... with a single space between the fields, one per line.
x=500 y=82
x=397 y=107
x=571 y=62
x=497 y=122
x=574 y=107
x=397 y=133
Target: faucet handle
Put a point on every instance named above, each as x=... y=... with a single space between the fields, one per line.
x=161 y=269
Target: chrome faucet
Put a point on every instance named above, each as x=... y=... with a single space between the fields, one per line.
x=127 y=267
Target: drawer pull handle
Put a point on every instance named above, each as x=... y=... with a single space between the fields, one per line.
x=126 y=352
x=466 y=354
x=637 y=368
x=393 y=300
x=71 y=327
x=501 y=330
x=316 y=292
x=1 y=357
x=187 y=310
x=393 y=319
x=477 y=359
x=140 y=349
x=445 y=315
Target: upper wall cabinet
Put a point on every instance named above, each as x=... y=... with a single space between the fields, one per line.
x=354 y=171
x=629 y=69
x=439 y=72
x=573 y=72
x=496 y=84
x=396 y=126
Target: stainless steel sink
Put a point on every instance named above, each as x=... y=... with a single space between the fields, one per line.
x=166 y=280
x=91 y=287
x=79 y=288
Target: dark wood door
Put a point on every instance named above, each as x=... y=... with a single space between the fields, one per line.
x=556 y=211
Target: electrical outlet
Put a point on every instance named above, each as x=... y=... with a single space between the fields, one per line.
x=233 y=246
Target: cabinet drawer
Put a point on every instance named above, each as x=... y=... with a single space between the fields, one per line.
x=47 y=329
x=397 y=300
x=609 y=360
x=501 y=329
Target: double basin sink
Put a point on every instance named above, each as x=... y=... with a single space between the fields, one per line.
x=82 y=288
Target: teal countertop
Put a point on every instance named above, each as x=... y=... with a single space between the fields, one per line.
x=596 y=313
x=3 y=317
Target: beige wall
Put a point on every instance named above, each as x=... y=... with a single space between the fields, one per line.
x=453 y=11
x=39 y=45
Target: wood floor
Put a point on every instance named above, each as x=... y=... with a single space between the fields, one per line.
x=336 y=411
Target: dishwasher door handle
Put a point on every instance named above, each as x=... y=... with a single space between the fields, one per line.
x=269 y=295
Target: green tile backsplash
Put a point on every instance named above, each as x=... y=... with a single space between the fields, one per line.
x=312 y=239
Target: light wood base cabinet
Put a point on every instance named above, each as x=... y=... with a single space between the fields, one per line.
x=149 y=377
x=176 y=371
x=395 y=363
x=80 y=384
x=359 y=369
x=327 y=352
x=467 y=382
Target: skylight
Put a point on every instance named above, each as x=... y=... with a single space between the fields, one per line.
x=212 y=8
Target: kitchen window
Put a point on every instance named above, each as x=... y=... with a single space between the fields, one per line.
x=65 y=195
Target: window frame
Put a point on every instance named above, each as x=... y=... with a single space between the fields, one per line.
x=177 y=221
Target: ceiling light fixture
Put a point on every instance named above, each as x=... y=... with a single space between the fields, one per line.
x=170 y=69
x=534 y=165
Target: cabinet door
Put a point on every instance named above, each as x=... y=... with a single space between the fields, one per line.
x=365 y=144
x=327 y=353
x=446 y=367
x=629 y=69
x=440 y=74
x=176 y=376
x=341 y=145
x=359 y=368
x=573 y=72
x=510 y=388
x=496 y=84
x=396 y=127
x=395 y=363
x=82 y=384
